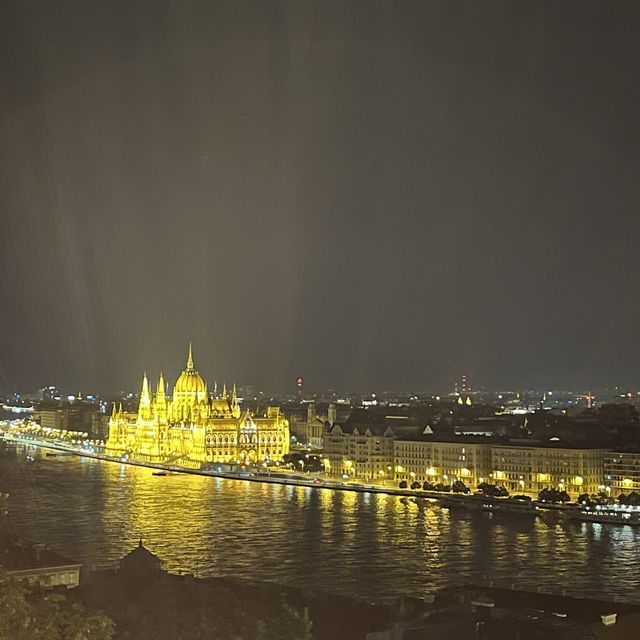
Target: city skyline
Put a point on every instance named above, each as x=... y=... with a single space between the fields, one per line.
x=318 y=319
x=461 y=386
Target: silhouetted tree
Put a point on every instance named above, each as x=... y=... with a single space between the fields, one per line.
x=493 y=490
x=459 y=487
x=553 y=496
x=35 y=615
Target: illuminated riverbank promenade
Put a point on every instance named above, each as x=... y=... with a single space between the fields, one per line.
x=228 y=471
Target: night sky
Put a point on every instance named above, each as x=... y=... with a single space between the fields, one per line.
x=369 y=194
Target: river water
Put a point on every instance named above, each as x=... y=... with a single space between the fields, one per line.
x=343 y=542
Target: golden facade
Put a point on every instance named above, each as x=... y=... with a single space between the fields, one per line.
x=440 y=462
x=518 y=468
x=364 y=452
x=190 y=428
x=531 y=469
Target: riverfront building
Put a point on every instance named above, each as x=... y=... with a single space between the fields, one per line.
x=363 y=445
x=36 y=564
x=440 y=462
x=189 y=427
x=364 y=452
x=517 y=467
x=530 y=469
x=622 y=471
x=379 y=452
x=310 y=432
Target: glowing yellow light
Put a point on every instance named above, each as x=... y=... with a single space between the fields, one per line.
x=578 y=480
x=431 y=471
x=627 y=482
x=464 y=472
x=498 y=475
x=399 y=469
x=543 y=477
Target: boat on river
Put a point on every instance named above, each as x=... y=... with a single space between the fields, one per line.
x=606 y=513
x=492 y=505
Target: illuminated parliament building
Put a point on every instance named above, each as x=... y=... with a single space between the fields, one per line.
x=190 y=427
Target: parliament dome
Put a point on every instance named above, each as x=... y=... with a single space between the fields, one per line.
x=190 y=380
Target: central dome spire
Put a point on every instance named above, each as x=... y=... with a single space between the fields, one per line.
x=190 y=366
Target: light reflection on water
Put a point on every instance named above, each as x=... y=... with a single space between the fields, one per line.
x=373 y=545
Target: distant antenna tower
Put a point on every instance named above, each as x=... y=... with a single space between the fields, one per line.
x=462 y=385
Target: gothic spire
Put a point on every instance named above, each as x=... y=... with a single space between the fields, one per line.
x=145 y=396
x=160 y=392
x=190 y=366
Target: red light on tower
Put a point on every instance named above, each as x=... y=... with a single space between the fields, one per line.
x=299 y=381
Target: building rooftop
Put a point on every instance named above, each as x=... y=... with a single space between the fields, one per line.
x=17 y=554
x=500 y=441
x=140 y=559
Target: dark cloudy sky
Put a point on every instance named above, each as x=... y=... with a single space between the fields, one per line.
x=369 y=194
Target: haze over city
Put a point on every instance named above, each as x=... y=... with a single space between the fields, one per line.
x=319 y=320
x=368 y=194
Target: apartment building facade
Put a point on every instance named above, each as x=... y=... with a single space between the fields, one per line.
x=530 y=469
x=361 y=452
x=378 y=454
x=622 y=471
x=440 y=462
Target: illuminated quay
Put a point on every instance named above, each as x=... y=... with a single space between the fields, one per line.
x=190 y=428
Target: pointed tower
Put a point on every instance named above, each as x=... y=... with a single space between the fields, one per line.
x=161 y=401
x=190 y=366
x=224 y=391
x=144 y=408
x=234 y=396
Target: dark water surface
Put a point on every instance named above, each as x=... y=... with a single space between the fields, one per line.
x=372 y=545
